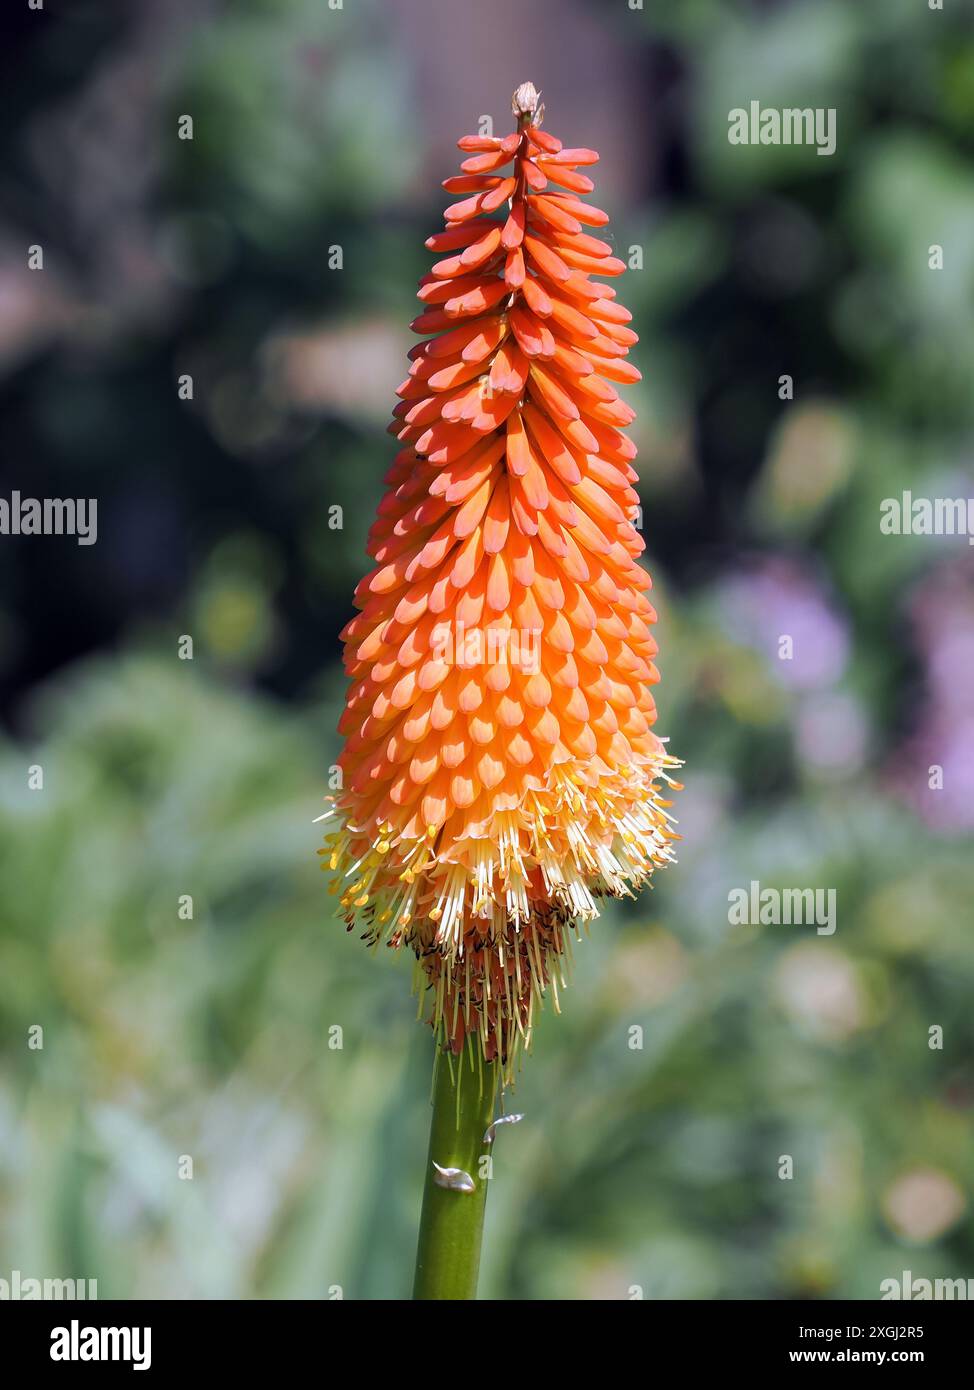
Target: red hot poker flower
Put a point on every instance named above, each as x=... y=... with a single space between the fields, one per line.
x=500 y=769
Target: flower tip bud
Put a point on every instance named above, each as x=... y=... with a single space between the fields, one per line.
x=525 y=100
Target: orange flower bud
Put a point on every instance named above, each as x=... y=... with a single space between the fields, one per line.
x=500 y=769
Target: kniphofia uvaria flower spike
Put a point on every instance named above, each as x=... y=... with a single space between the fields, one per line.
x=501 y=773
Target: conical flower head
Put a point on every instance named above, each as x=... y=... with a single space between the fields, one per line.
x=500 y=771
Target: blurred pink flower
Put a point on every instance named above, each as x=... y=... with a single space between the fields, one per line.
x=934 y=770
x=775 y=598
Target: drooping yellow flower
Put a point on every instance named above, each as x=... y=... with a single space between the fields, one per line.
x=500 y=769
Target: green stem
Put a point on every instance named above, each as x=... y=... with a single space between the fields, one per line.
x=450 y=1229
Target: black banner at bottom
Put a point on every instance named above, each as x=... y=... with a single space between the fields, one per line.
x=164 y=1338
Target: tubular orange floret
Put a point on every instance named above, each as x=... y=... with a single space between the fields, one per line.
x=500 y=770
